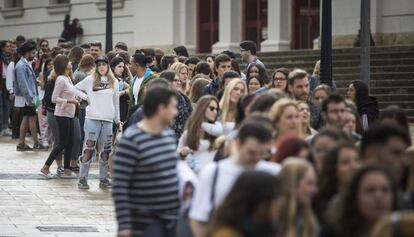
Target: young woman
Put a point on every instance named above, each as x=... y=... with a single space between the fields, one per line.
x=254 y=83
x=291 y=147
x=285 y=116
x=243 y=214
x=326 y=139
x=339 y=164
x=44 y=129
x=228 y=104
x=367 y=105
x=210 y=60
x=197 y=89
x=182 y=71
x=352 y=122
x=64 y=97
x=319 y=94
x=256 y=70
x=395 y=114
x=304 y=116
x=102 y=110
x=299 y=187
x=370 y=195
x=184 y=104
x=196 y=143
x=118 y=68
x=75 y=56
x=280 y=79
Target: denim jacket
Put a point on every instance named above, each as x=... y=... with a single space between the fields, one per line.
x=25 y=81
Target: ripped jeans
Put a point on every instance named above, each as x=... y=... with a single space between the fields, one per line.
x=96 y=131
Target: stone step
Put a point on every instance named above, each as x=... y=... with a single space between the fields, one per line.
x=406 y=105
x=336 y=51
x=345 y=63
x=393 y=97
x=377 y=76
x=374 y=69
x=381 y=83
x=395 y=90
x=314 y=58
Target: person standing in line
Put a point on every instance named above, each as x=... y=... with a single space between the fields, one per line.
x=64 y=96
x=254 y=144
x=143 y=206
x=102 y=110
x=26 y=96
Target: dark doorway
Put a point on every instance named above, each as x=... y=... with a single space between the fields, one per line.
x=305 y=23
x=254 y=21
x=207 y=24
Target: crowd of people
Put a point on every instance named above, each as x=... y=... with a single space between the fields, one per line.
x=213 y=146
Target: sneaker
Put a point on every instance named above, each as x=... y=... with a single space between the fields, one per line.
x=75 y=169
x=60 y=170
x=6 y=132
x=23 y=147
x=39 y=146
x=105 y=183
x=83 y=184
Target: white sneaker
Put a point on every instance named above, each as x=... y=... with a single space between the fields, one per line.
x=6 y=132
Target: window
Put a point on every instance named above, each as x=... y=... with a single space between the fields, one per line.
x=13 y=4
x=12 y=8
x=58 y=7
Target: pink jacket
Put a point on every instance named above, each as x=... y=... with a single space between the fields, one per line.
x=64 y=91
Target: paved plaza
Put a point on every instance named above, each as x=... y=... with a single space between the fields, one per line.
x=33 y=206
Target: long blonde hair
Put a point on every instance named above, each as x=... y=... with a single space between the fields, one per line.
x=97 y=77
x=225 y=100
x=293 y=171
x=278 y=108
x=177 y=66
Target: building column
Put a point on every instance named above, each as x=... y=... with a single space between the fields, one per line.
x=278 y=26
x=185 y=24
x=230 y=12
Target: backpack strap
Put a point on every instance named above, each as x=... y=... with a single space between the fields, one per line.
x=213 y=188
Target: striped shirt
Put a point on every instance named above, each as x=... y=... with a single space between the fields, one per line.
x=145 y=178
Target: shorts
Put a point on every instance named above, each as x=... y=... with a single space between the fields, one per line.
x=29 y=111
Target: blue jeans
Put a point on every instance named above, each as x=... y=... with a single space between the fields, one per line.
x=96 y=131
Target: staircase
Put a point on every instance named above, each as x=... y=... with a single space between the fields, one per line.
x=392 y=71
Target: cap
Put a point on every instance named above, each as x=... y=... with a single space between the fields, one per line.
x=101 y=59
x=26 y=47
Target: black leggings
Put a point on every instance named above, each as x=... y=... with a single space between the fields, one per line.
x=65 y=126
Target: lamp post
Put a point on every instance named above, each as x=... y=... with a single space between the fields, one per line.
x=326 y=43
x=365 y=38
x=108 y=35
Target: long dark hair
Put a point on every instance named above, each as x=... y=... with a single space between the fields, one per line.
x=394 y=112
x=253 y=191
x=262 y=72
x=193 y=125
x=361 y=92
x=328 y=177
x=345 y=216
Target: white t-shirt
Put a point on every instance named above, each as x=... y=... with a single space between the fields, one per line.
x=103 y=101
x=137 y=86
x=228 y=173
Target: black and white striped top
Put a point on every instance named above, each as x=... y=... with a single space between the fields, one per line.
x=145 y=176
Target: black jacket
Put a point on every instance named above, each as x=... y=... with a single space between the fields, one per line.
x=369 y=111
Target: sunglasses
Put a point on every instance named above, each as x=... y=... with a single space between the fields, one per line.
x=212 y=108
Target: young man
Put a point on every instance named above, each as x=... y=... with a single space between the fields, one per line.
x=248 y=53
x=145 y=187
x=222 y=64
x=121 y=47
x=26 y=96
x=191 y=64
x=167 y=61
x=254 y=144
x=298 y=80
x=5 y=53
x=96 y=49
x=333 y=111
x=385 y=144
x=142 y=75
